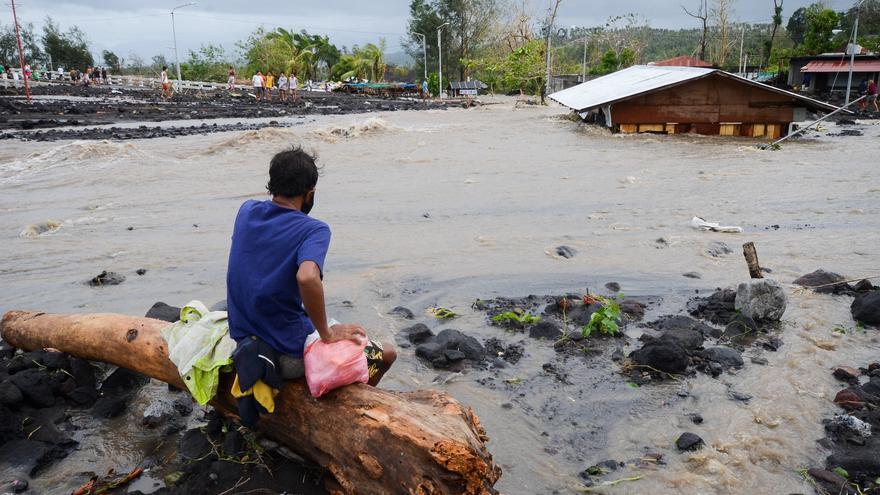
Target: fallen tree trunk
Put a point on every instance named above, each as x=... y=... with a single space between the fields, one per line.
x=371 y=440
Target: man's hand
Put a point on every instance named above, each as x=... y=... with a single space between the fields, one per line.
x=347 y=331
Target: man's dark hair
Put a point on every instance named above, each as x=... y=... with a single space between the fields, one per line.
x=292 y=173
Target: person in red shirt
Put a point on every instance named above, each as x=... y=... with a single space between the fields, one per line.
x=872 y=94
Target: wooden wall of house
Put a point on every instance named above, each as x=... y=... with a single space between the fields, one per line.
x=708 y=103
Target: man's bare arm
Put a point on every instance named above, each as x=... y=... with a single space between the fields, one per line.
x=308 y=277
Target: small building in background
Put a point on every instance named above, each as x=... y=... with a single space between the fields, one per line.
x=829 y=71
x=682 y=61
x=466 y=88
x=673 y=100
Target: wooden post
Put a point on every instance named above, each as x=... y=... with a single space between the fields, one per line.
x=751 y=255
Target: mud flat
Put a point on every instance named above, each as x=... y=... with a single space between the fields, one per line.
x=57 y=111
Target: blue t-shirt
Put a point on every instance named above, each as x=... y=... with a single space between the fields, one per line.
x=269 y=242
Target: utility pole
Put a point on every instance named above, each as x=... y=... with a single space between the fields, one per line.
x=584 y=77
x=174 y=34
x=440 y=59
x=424 y=52
x=27 y=87
x=742 y=39
x=852 y=48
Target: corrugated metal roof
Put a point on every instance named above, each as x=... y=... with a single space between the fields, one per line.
x=682 y=61
x=640 y=79
x=475 y=84
x=841 y=66
x=624 y=84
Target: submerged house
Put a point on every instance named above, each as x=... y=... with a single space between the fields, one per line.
x=672 y=100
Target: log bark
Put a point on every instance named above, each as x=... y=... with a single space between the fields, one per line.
x=371 y=440
x=751 y=255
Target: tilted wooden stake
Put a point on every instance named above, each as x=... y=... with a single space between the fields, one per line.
x=371 y=440
x=751 y=255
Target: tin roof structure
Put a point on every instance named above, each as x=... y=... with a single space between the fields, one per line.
x=817 y=66
x=640 y=79
x=475 y=84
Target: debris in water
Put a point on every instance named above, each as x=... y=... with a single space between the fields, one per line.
x=700 y=224
x=107 y=278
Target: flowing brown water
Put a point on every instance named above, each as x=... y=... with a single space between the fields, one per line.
x=443 y=207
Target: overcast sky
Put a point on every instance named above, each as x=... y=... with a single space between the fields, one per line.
x=144 y=27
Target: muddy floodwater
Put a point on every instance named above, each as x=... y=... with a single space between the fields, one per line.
x=439 y=208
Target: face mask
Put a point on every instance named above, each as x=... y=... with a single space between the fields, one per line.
x=308 y=204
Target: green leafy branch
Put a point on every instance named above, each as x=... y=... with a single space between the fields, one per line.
x=606 y=319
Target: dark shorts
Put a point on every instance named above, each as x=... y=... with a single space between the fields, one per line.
x=293 y=368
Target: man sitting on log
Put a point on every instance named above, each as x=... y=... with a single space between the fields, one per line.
x=274 y=280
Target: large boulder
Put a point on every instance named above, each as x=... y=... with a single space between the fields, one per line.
x=866 y=308
x=761 y=299
x=666 y=355
x=821 y=279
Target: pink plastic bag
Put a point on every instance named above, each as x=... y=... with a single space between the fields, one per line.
x=330 y=366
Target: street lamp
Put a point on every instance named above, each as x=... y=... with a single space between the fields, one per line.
x=174 y=34
x=424 y=52
x=440 y=58
x=852 y=48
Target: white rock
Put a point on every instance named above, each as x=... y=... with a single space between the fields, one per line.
x=761 y=299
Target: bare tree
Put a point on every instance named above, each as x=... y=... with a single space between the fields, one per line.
x=474 y=21
x=702 y=14
x=551 y=19
x=721 y=12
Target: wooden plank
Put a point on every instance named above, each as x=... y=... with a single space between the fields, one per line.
x=652 y=128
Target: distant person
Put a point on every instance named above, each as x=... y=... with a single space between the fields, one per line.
x=257 y=81
x=872 y=94
x=28 y=73
x=87 y=76
x=166 y=83
x=863 y=91
x=230 y=79
x=270 y=83
x=294 y=84
x=3 y=75
x=283 y=86
x=61 y=73
x=104 y=75
x=425 y=88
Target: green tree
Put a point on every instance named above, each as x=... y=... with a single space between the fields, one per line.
x=797 y=25
x=111 y=59
x=777 y=21
x=209 y=63
x=9 y=45
x=263 y=52
x=468 y=26
x=367 y=62
x=67 y=49
x=607 y=64
x=310 y=55
x=523 y=69
x=820 y=23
